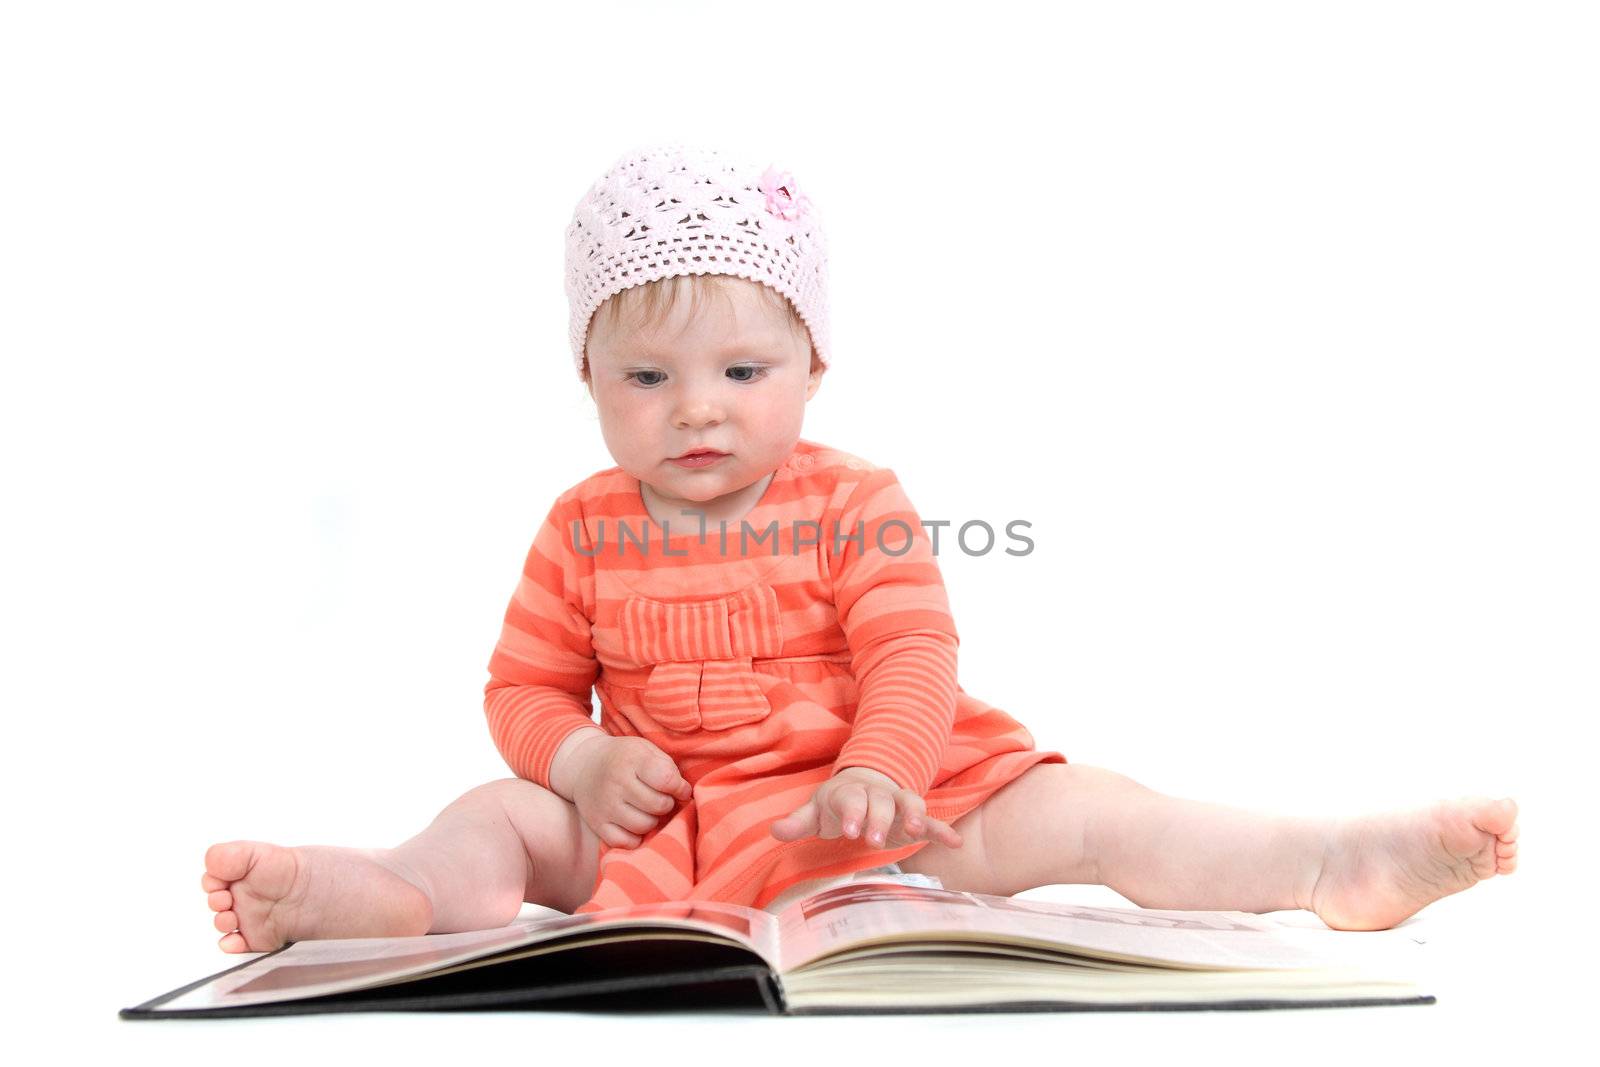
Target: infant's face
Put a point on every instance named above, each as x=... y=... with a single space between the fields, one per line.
x=732 y=376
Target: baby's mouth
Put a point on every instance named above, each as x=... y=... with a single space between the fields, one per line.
x=700 y=457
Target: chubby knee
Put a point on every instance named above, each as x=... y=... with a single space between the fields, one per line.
x=1045 y=787
x=1037 y=830
x=1079 y=777
x=507 y=794
x=561 y=850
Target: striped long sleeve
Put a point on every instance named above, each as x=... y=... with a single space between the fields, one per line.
x=896 y=617
x=543 y=668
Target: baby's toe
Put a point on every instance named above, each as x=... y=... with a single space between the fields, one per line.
x=221 y=900
x=228 y=862
x=1505 y=849
x=234 y=942
x=226 y=922
x=211 y=883
x=1495 y=816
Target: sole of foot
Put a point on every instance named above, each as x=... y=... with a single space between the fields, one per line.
x=265 y=896
x=1381 y=869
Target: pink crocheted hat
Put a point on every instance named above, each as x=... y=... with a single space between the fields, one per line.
x=676 y=209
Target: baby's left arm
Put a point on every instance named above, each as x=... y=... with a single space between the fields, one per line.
x=895 y=614
x=896 y=618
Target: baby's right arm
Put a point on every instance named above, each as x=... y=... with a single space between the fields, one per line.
x=538 y=698
x=621 y=786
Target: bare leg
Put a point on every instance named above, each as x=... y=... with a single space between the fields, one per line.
x=1033 y=832
x=496 y=846
x=1168 y=852
x=1073 y=823
x=501 y=844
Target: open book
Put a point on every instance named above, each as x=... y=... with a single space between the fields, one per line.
x=862 y=947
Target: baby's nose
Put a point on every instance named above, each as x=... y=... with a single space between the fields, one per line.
x=700 y=410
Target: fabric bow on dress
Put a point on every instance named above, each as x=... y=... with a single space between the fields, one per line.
x=703 y=678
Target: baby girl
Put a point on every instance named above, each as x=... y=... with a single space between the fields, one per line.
x=764 y=622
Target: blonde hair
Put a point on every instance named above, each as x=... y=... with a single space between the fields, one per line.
x=648 y=305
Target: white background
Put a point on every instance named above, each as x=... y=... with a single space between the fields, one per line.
x=1277 y=321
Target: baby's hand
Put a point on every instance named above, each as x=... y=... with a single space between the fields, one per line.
x=855 y=795
x=623 y=786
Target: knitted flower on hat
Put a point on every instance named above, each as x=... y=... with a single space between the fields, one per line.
x=784 y=199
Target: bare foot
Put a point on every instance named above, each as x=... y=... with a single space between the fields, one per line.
x=266 y=895
x=1381 y=869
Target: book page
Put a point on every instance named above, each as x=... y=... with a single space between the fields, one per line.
x=872 y=912
x=319 y=968
x=316 y=968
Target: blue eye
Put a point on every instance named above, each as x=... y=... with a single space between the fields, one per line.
x=744 y=372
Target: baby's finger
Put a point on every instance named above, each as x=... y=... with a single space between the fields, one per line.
x=617 y=837
x=880 y=816
x=644 y=798
x=940 y=831
x=912 y=809
x=663 y=777
x=797 y=824
x=849 y=802
x=633 y=819
x=827 y=819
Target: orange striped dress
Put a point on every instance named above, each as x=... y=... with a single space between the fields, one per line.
x=762 y=656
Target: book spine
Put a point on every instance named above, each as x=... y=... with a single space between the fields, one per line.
x=772 y=993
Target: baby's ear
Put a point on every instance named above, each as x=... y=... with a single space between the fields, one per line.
x=817 y=371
